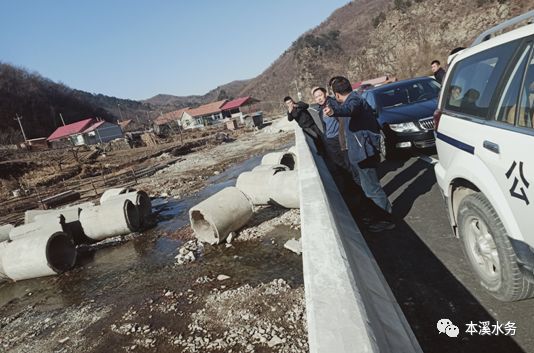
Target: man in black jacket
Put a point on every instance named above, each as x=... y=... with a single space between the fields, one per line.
x=439 y=73
x=299 y=112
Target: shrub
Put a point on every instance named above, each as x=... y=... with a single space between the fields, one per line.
x=379 y=19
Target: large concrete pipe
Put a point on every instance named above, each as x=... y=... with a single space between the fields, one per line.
x=38 y=255
x=292 y=149
x=140 y=199
x=271 y=187
x=285 y=158
x=71 y=221
x=109 y=193
x=44 y=226
x=71 y=213
x=214 y=218
x=279 y=167
x=4 y=231
x=3 y=276
x=115 y=217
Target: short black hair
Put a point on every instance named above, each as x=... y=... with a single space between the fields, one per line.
x=435 y=62
x=341 y=85
x=333 y=79
x=287 y=98
x=322 y=89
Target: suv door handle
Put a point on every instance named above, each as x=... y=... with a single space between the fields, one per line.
x=493 y=147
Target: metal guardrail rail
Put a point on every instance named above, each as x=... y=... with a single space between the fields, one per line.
x=349 y=305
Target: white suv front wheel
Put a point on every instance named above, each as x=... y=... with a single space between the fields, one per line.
x=489 y=251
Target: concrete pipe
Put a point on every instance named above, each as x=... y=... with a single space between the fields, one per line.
x=271 y=187
x=109 y=193
x=214 y=218
x=279 y=167
x=71 y=222
x=115 y=217
x=3 y=276
x=44 y=226
x=4 y=231
x=71 y=214
x=38 y=255
x=292 y=149
x=141 y=200
x=285 y=158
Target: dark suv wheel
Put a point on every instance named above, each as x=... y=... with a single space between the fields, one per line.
x=489 y=251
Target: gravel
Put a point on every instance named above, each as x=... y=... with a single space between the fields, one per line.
x=247 y=318
x=265 y=219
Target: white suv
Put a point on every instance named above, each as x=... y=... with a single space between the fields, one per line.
x=485 y=143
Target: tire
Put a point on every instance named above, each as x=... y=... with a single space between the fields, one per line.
x=387 y=150
x=489 y=251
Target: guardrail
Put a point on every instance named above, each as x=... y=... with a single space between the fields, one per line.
x=349 y=305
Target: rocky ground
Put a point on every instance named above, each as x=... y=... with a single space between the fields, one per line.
x=191 y=173
x=162 y=291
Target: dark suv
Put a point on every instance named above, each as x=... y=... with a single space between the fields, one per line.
x=404 y=111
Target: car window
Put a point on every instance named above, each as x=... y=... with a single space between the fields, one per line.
x=526 y=106
x=407 y=93
x=507 y=108
x=475 y=78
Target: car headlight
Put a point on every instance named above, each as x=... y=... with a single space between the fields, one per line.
x=404 y=127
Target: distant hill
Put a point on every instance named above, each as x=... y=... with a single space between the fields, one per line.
x=228 y=91
x=40 y=102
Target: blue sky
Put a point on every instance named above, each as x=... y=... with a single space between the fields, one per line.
x=136 y=49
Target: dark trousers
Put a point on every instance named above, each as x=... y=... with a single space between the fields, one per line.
x=338 y=164
x=317 y=136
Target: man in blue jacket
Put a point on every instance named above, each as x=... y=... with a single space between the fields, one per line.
x=337 y=161
x=363 y=141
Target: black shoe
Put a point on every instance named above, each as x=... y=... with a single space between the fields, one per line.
x=381 y=226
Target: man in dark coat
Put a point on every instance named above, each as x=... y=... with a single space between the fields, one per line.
x=337 y=161
x=363 y=142
x=439 y=73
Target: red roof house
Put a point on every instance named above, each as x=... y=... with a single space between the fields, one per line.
x=240 y=108
x=87 y=132
x=238 y=103
x=70 y=129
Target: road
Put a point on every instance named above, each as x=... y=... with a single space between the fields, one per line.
x=428 y=273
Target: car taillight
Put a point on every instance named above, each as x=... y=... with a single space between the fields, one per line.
x=437 y=117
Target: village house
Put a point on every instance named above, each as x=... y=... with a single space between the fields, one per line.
x=86 y=132
x=206 y=114
x=239 y=108
x=168 y=122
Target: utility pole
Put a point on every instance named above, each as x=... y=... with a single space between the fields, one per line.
x=21 y=128
x=63 y=121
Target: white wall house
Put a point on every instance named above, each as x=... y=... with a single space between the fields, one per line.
x=206 y=114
